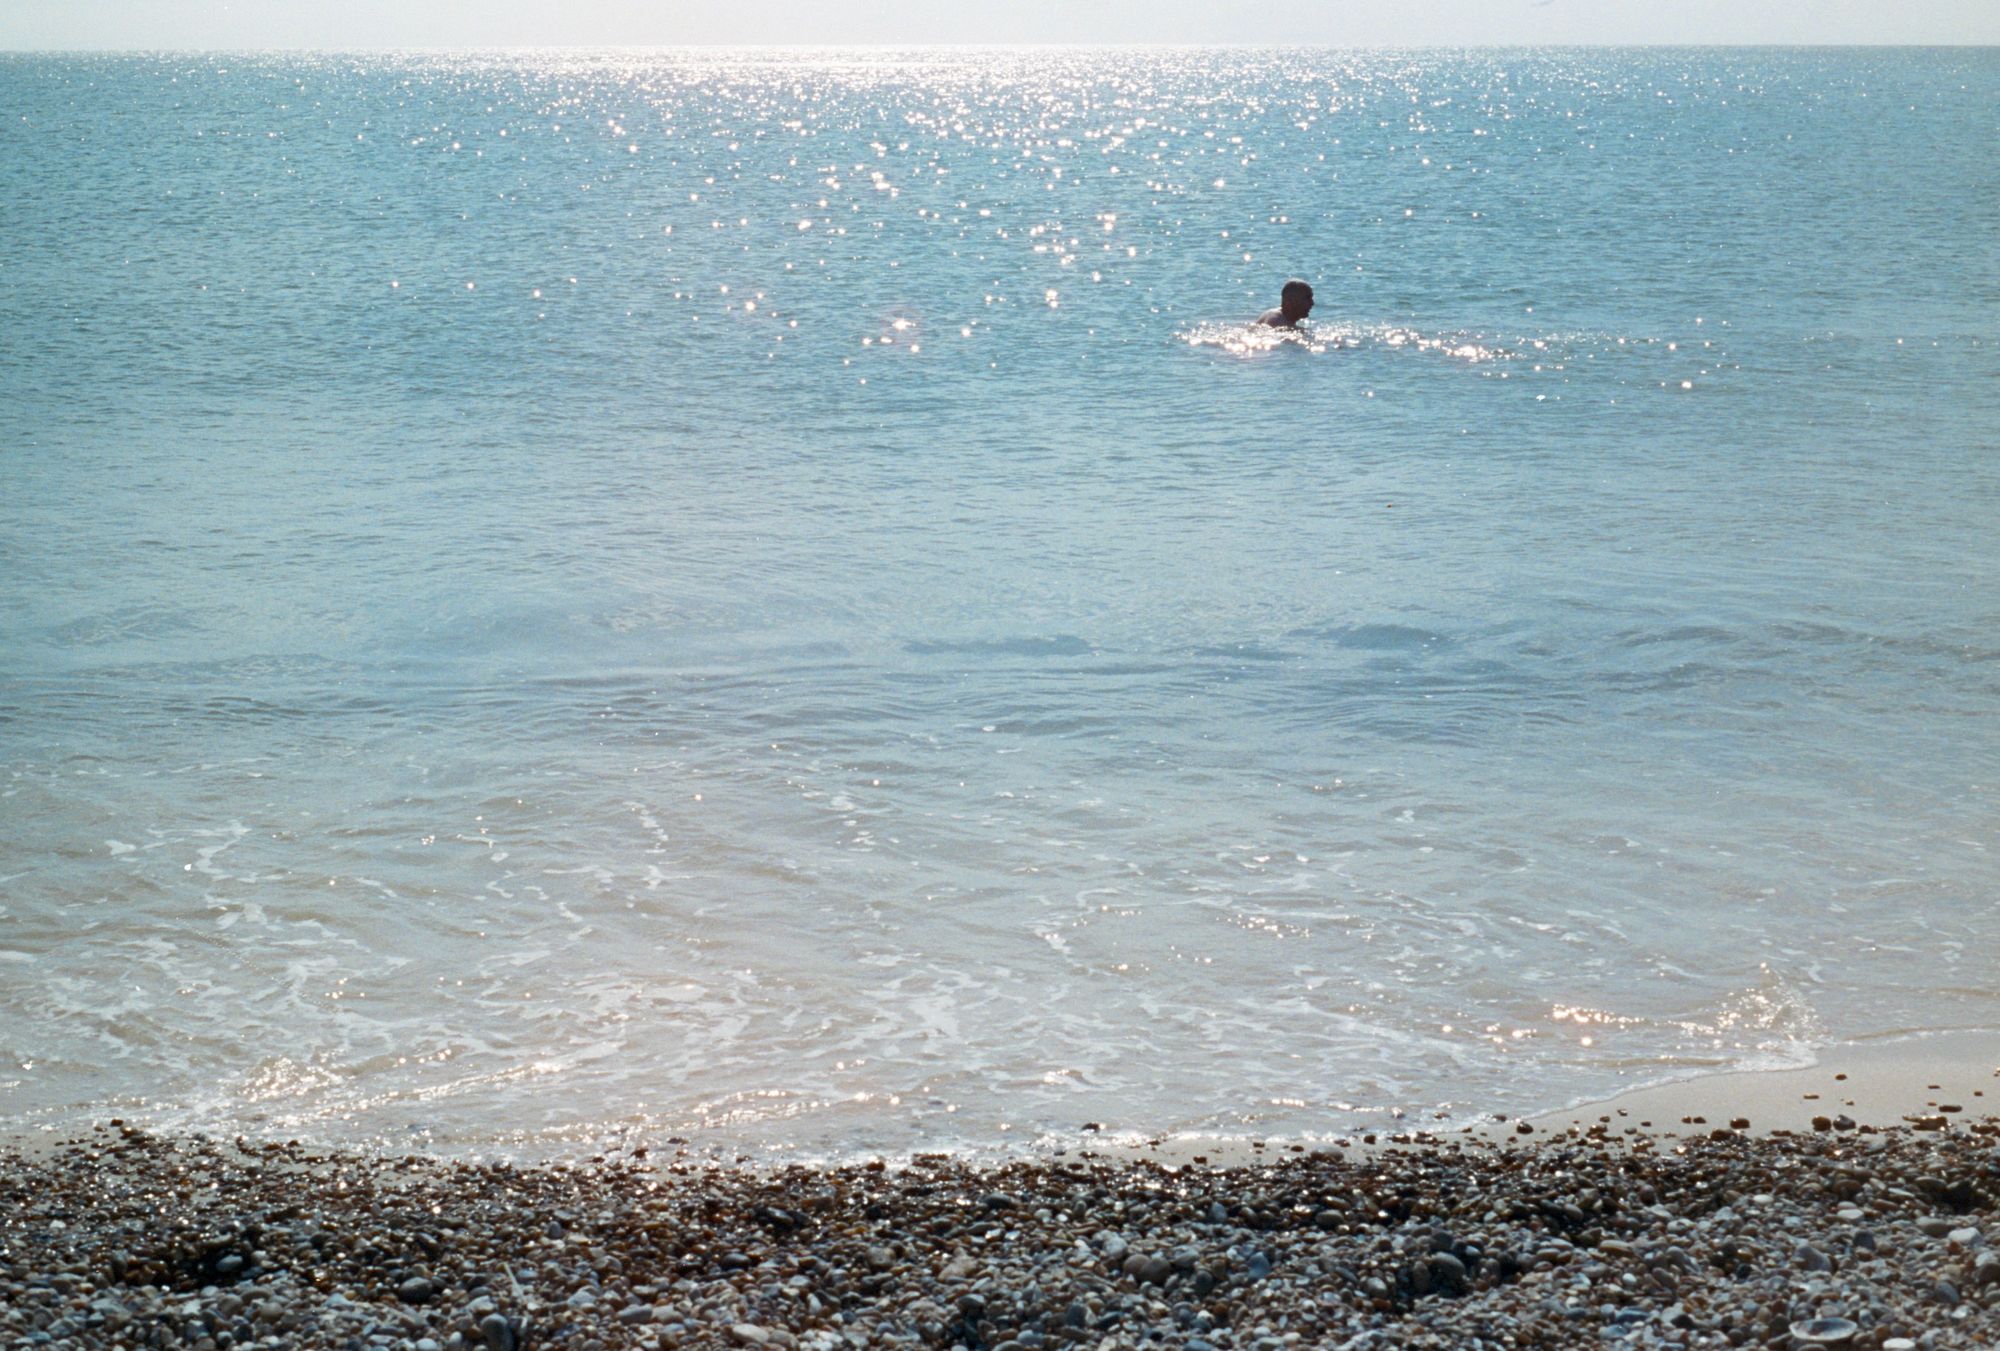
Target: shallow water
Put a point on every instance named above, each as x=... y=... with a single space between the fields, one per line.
x=773 y=595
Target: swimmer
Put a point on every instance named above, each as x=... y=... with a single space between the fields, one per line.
x=1295 y=302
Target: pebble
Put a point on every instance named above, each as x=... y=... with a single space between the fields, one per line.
x=498 y=1333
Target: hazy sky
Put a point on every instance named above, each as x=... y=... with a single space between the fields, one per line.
x=486 y=23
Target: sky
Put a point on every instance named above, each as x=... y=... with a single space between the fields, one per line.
x=350 y=24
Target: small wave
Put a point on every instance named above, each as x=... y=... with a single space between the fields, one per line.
x=1769 y=1025
x=1063 y=645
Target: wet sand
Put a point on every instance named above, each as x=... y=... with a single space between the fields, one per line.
x=1909 y=1081
x=1936 y=1077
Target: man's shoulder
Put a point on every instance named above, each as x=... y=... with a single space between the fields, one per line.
x=1275 y=318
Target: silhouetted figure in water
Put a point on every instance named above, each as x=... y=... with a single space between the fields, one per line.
x=1295 y=302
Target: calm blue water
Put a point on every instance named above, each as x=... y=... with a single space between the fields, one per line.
x=772 y=595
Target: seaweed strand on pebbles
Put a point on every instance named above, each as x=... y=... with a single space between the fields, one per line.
x=1822 y=1239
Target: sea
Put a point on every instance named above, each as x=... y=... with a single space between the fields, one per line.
x=776 y=598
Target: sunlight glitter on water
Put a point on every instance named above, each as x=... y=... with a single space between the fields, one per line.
x=783 y=595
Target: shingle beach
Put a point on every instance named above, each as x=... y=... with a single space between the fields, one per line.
x=1851 y=1235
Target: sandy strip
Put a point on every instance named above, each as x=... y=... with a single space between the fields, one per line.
x=1925 y=1081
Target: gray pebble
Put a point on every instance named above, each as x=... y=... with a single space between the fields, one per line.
x=499 y=1334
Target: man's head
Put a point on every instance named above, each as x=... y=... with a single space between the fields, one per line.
x=1296 y=300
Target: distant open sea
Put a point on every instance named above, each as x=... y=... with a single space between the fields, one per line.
x=772 y=596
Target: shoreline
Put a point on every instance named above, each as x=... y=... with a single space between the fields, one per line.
x=1873 y=1085
x=1586 y=1230
x=1876 y=1081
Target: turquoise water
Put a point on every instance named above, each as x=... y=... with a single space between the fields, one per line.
x=774 y=596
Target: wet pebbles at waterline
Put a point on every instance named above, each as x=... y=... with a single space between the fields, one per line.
x=1837 y=1239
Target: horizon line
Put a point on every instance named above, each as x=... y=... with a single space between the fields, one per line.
x=427 y=48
